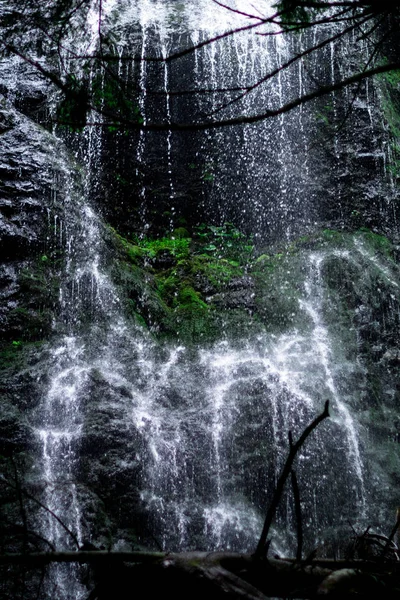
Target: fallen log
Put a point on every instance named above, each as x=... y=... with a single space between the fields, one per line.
x=223 y=575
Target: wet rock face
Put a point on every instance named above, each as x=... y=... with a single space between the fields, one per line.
x=111 y=460
x=31 y=179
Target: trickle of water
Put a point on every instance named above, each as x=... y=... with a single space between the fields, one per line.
x=321 y=344
x=360 y=246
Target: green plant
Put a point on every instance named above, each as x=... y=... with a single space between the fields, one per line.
x=391 y=77
x=225 y=241
x=175 y=293
x=178 y=247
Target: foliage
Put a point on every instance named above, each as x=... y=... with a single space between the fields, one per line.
x=225 y=241
x=176 y=246
x=179 y=279
x=188 y=290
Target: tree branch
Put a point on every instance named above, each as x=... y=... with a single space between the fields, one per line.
x=299 y=523
x=241 y=120
x=294 y=448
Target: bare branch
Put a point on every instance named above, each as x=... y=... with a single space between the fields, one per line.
x=240 y=120
x=294 y=448
x=238 y=12
x=286 y=65
x=299 y=522
x=391 y=536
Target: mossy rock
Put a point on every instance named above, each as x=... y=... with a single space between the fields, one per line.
x=341 y=274
x=187 y=297
x=11 y=355
x=29 y=312
x=180 y=291
x=278 y=285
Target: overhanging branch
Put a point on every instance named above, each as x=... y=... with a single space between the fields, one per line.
x=243 y=119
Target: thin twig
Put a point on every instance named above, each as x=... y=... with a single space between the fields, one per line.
x=239 y=12
x=284 y=66
x=242 y=119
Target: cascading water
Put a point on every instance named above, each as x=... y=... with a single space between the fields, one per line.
x=87 y=302
x=183 y=445
x=202 y=483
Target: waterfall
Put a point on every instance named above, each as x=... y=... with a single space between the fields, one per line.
x=144 y=440
x=205 y=422
x=320 y=338
x=88 y=312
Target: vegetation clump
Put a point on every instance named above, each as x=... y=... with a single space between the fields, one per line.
x=181 y=276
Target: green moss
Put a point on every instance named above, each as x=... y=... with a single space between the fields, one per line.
x=169 y=281
x=264 y=259
x=392 y=77
x=332 y=234
x=187 y=296
x=139 y=319
x=390 y=107
x=377 y=241
x=132 y=252
x=167 y=286
x=177 y=247
x=390 y=102
x=225 y=241
x=9 y=355
x=216 y=271
x=191 y=322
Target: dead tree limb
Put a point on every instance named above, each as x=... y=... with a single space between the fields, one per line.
x=297 y=508
x=232 y=561
x=293 y=450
